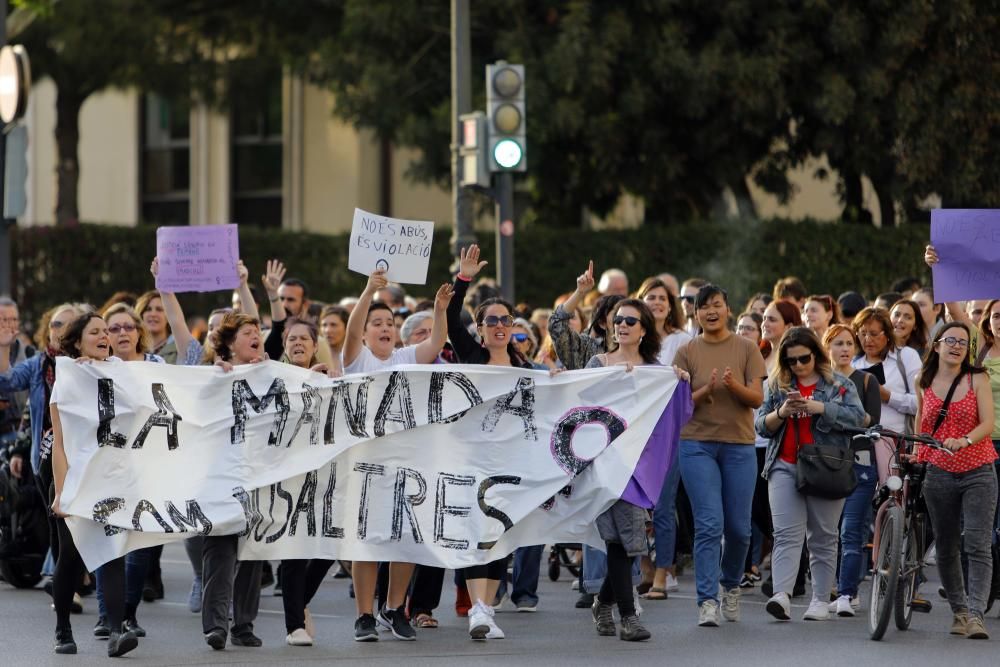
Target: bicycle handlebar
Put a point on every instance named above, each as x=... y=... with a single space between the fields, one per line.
x=878 y=431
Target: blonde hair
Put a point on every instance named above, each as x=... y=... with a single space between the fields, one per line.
x=142 y=343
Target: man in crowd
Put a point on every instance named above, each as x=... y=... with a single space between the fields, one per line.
x=613 y=281
x=12 y=404
x=294 y=297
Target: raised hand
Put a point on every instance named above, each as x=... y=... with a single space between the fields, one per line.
x=242 y=272
x=443 y=298
x=376 y=281
x=930 y=256
x=468 y=262
x=585 y=281
x=273 y=276
x=154 y=267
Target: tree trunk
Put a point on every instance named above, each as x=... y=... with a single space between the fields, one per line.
x=67 y=157
x=854 y=206
x=886 y=204
x=746 y=209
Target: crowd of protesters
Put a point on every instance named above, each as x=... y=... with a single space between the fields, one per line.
x=789 y=370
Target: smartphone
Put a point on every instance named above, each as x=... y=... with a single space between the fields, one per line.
x=794 y=396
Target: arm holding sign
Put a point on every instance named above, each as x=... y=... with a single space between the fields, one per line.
x=359 y=316
x=247 y=302
x=428 y=351
x=175 y=316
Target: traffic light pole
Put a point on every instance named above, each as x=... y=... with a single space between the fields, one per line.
x=6 y=259
x=463 y=234
x=504 y=194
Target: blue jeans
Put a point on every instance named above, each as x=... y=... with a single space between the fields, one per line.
x=854 y=523
x=720 y=479
x=136 y=565
x=665 y=518
x=527 y=561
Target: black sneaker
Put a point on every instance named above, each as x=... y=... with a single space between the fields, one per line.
x=216 y=638
x=132 y=625
x=245 y=637
x=121 y=643
x=64 y=642
x=101 y=630
x=585 y=601
x=365 y=629
x=632 y=630
x=395 y=620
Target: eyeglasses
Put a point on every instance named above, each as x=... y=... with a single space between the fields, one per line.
x=870 y=334
x=118 y=328
x=687 y=299
x=951 y=341
x=745 y=328
x=494 y=321
x=627 y=319
x=520 y=338
x=799 y=361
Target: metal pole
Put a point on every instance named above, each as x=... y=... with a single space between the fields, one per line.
x=463 y=234
x=504 y=185
x=6 y=286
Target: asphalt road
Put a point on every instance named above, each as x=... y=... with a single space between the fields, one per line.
x=557 y=634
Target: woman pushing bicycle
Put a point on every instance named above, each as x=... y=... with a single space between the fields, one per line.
x=955 y=405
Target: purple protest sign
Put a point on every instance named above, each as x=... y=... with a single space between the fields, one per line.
x=967 y=242
x=198 y=259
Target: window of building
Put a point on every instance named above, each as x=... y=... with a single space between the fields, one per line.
x=166 y=160
x=255 y=120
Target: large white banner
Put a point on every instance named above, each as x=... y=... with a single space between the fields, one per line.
x=443 y=465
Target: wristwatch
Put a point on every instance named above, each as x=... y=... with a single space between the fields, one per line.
x=968 y=440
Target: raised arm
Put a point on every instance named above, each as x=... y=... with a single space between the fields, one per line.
x=584 y=283
x=429 y=350
x=272 y=281
x=573 y=349
x=175 y=316
x=356 y=322
x=247 y=303
x=462 y=341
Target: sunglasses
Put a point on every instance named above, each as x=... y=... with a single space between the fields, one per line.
x=520 y=338
x=954 y=342
x=799 y=361
x=627 y=319
x=494 y=321
x=688 y=299
x=118 y=328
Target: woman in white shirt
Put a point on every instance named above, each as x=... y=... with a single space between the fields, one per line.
x=896 y=369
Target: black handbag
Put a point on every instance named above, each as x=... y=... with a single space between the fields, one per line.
x=824 y=471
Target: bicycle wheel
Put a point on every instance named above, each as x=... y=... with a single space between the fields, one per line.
x=885 y=575
x=909 y=576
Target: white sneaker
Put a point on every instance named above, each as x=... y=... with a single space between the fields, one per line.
x=479 y=620
x=931 y=557
x=842 y=606
x=299 y=638
x=310 y=627
x=635 y=599
x=708 y=614
x=671 y=584
x=818 y=610
x=495 y=631
x=780 y=606
x=575 y=586
x=731 y=604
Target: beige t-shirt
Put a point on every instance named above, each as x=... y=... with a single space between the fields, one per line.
x=724 y=418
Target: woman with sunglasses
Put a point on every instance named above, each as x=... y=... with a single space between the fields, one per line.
x=623 y=525
x=717 y=459
x=960 y=489
x=573 y=348
x=494 y=321
x=805 y=403
x=85 y=339
x=524 y=338
x=842 y=346
x=895 y=368
x=370 y=345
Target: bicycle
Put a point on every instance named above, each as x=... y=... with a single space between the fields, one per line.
x=900 y=532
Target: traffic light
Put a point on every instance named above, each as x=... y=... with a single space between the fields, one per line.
x=508 y=146
x=472 y=151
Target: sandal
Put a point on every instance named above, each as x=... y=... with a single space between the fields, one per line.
x=655 y=593
x=425 y=621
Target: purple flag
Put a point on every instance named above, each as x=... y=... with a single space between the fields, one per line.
x=660 y=452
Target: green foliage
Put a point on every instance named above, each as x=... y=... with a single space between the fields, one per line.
x=90 y=262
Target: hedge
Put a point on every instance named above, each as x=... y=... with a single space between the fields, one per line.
x=91 y=261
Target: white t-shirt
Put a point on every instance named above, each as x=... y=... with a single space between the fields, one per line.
x=901 y=402
x=670 y=344
x=367 y=362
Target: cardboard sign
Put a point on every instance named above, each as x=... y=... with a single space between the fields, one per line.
x=968 y=247
x=401 y=247
x=198 y=259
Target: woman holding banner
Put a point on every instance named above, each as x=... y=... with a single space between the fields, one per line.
x=494 y=320
x=370 y=345
x=86 y=338
x=623 y=526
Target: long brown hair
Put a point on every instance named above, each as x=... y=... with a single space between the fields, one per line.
x=918 y=337
x=675 y=318
x=806 y=337
x=516 y=358
x=649 y=346
x=984 y=325
x=932 y=360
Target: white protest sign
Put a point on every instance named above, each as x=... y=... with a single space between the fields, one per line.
x=401 y=247
x=443 y=465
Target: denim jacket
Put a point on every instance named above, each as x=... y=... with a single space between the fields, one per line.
x=843 y=408
x=28 y=375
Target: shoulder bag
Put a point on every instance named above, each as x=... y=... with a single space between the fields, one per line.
x=909 y=421
x=825 y=471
